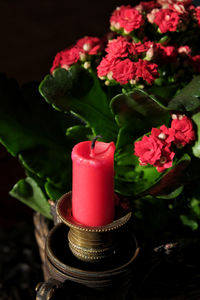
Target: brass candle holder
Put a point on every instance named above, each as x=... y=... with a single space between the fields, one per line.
x=92 y=244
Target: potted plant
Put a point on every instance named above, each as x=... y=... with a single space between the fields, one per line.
x=139 y=86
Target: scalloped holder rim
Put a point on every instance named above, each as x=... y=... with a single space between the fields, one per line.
x=64 y=211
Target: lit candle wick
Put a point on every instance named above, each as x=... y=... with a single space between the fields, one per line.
x=94 y=141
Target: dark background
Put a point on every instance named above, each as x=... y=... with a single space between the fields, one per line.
x=32 y=32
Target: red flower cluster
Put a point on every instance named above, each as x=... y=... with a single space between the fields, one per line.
x=80 y=51
x=167 y=20
x=122 y=62
x=183 y=130
x=197 y=15
x=126 y=18
x=168 y=15
x=155 y=149
x=131 y=58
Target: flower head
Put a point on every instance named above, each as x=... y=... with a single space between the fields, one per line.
x=127 y=18
x=119 y=47
x=183 y=130
x=149 y=150
x=146 y=70
x=124 y=70
x=167 y=20
x=89 y=45
x=65 y=58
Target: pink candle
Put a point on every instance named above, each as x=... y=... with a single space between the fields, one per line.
x=93 y=183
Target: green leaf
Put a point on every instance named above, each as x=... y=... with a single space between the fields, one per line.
x=60 y=88
x=189 y=222
x=137 y=112
x=131 y=179
x=52 y=164
x=79 y=133
x=53 y=192
x=79 y=91
x=195 y=206
x=26 y=120
x=173 y=194
x=172 y=178
x=196 y=147
x=188 y=99
x=165 y=92
x=27 y=191
x=33 y=130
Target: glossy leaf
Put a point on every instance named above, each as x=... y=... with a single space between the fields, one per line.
x=26 y=120
x=196 y=147
x=55 y=193
x=188 y=99
x=189 y=222
x=164 y=92
x=79 y=133
x=172 y=178
x=138 y=104
x=131 y=179
x=27 y=191
x=173 y=194
x=52 y=164
x=83 y=95
x=136 y=113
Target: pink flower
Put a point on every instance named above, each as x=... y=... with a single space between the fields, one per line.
x=167 y=20
x=65 y=58
x=197 y=14
x=106 y=65
x=195 y=61
x=89 y=45
x=123 y=71
x=166 y=135
x=184 y=132
x=146 y=70
x=167 y=3
x=167 y=54
x=151 y=16
x=184 y=50
x=179 y=8
x=127 y=18
x=155 y=149
x=149 y=150
x=146 y=6
x=69 y=57
x=56 y=62
x=119 y=47
x=140 y=48
x=165 y=161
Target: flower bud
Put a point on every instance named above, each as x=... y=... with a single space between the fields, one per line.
x=86 y=47
x=109 y=75
x=162 y=136
x=87 y=65
x=174 y=116
x=82 y=56
x=107 y=82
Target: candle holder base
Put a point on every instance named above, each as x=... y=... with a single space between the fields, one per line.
x=92 y=244
x=61 y=265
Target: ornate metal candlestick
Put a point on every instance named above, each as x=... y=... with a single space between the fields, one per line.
x=92 y=244
x=98 y=258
